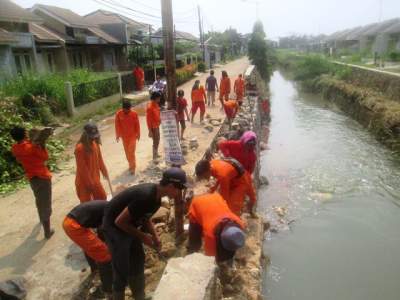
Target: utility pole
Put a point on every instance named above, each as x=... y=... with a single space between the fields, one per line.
x=169 y=51
x=203 y=50
x=152 y=54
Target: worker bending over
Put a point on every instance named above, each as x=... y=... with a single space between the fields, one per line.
x=33 y=159
x=233 y=182
x=243 y=150
x=127 y=224
x=78 y=225
x=127 y=127
x=153 y=119
x=211 y=219
x=89 y=164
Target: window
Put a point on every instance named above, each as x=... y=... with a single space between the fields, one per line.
x=50 y=62
x=69 y=31
x=23 y=62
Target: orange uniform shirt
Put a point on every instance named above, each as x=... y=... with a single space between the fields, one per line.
x=225 y=86
x=232 y=187
x=153 y=115
x=89 y=165
x=208 y=210
x=199 y=95
x=32 y=157
x=127 y=126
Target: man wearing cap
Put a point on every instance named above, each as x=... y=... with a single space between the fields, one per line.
x=127 y=224
x=233 y=182
x=89 y=164
x=127 y=127
x=244 y=150
x=78 y=225
x=211 y=218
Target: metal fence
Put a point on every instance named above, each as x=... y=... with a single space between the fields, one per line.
x=127 y=83
x=90 y=91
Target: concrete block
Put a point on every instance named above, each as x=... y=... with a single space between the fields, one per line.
x=191 y=278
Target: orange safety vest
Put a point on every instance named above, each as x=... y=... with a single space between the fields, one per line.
x=208 y=210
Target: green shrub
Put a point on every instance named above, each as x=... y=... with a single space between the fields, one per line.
x=13 y=114
x=201 y=67
x=186 y=73
x=394 y=56
x=310 y=67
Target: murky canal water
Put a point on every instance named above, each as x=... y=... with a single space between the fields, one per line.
x=333 y=203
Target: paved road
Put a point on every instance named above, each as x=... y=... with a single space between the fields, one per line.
x=53 y=268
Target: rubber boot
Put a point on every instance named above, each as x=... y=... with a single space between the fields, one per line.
x=118 y=295
x=106 y=277
x=137 y=284
x=48 y=232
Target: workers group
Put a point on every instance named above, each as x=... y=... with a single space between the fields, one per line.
x=112 y=233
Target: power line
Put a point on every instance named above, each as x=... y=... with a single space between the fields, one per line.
x=112 y=2
x=145 y=5
x=123 y=12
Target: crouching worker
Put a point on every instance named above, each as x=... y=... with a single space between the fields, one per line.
x=78 y=225
x=211 y=219
x=127 y=224
x=233 y=182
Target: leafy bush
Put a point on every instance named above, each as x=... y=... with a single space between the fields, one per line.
x=186 y=73
x=394 y=56
x=201 y=67
x=51 y=86
x=13 y=114
x=310 y=67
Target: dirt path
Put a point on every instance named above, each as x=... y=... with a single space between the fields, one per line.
x=52 y=268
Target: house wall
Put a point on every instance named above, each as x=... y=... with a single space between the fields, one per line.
x=381 y=43
x=7 y=64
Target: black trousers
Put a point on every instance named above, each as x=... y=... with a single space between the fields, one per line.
x=127 y=254
x=42 y=190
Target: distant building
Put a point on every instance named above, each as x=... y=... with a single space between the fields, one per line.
x=17 y=44
x=157 y=37
x=128 y=31
x=85 y=45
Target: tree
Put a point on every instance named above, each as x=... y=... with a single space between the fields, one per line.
x=230 y=41
x=258 y=50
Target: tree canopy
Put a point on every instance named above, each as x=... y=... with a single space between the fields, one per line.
x=258 y=50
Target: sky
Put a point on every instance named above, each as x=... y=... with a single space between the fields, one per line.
x=280 y=17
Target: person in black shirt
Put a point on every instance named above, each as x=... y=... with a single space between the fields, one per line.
x=78 y=225
x=127 y=225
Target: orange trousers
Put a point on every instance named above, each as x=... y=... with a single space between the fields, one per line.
x=85 y=238
x=240 y=189
x=86 y=193
x=130 y=149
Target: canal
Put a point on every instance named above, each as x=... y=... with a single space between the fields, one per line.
x=333 y=202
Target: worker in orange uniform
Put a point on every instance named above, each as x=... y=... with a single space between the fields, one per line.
x=239 y=89
x=231 y=108
x=211 y=218
x=127 y=127
x=224 y=88
x=233 y=182
x=138 y=73
x=79 y=225
x=199 y=100
x=89 y=164
x=153 y=121
x=33 y=159
x=243 y=150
